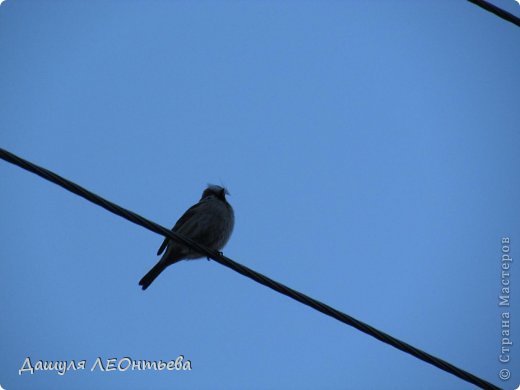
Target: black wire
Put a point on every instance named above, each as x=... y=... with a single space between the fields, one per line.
x=497 y=11
x=241 y=269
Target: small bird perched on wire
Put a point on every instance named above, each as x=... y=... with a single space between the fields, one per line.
x=209 y=223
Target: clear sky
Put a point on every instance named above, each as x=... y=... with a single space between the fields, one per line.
x=371 y=149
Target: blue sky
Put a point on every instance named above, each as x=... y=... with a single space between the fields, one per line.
x=371 y=152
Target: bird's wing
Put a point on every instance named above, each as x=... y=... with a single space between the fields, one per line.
x=182 y=220
x=163 y=246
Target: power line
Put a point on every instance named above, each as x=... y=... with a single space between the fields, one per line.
x=241 y=269
x=497 y=11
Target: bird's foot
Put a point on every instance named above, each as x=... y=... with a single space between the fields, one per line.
x=218 y=253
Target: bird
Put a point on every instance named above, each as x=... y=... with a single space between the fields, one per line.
x=209 y=223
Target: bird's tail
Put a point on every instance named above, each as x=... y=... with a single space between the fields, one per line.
x=155 y=272
x=152 y=274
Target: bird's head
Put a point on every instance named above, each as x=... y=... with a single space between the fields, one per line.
x=215 y=190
